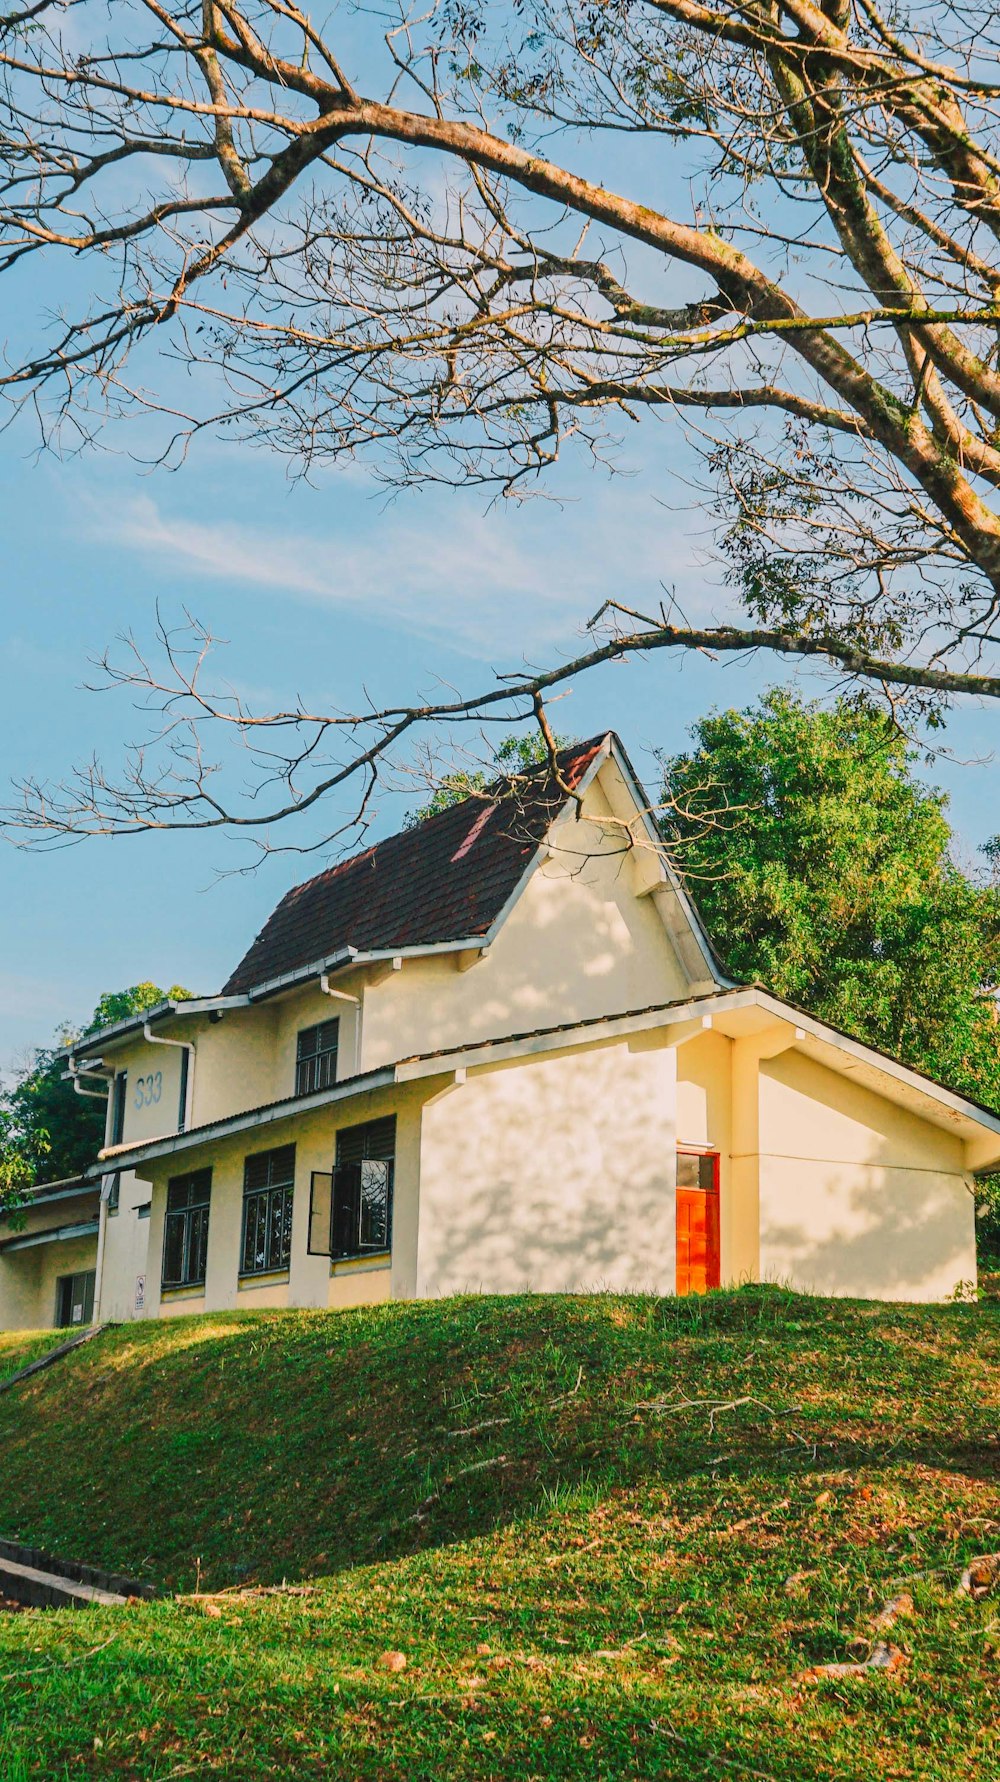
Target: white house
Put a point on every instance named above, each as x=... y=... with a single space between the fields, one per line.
x=496 y=1052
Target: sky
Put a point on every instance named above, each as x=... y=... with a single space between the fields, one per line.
x=324 y=590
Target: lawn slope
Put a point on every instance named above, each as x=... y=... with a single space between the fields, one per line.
x=602 y=1538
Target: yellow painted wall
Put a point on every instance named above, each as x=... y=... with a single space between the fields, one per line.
x=310 y=1280
x=28 y=1277
x=578 y=943
x=553 y=1175
x=857 y=1195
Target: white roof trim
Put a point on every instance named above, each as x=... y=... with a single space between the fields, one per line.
x=691 y=915
x=53 y=1234
x=87 y=1046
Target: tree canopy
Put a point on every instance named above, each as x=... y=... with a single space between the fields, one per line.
x=836 y=885
x=47 y=1130
x=468 y=240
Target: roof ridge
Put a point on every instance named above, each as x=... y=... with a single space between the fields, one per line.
x=537 y=768
x=440 y=880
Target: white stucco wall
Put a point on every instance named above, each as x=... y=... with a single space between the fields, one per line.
x=555 y=1175
x=857 y=1196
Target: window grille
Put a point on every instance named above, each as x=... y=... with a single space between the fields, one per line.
x=268 y=1190
x=316 y=1057
x=185 y=1229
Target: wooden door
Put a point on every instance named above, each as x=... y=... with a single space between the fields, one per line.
x=697 y=1222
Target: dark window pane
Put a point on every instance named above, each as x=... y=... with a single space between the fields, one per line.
x=696 y=1171
x=268 y=1184
x=376 y=1179
x=185 y=1229
x=316 y=1057
x=173 y=1249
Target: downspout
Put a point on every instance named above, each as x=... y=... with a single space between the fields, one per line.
x=102 y=1237
x=345 y=996
x=106 y=1181
x=75 y=1074
x=187 y=1071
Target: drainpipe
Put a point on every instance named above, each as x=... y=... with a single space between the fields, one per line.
x=345 y=996
x=187 y=1071
x=102 y=1236
x=75 y=1074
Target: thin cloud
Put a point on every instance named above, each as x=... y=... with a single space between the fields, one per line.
x=477 y=581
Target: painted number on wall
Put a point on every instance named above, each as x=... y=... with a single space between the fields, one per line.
x=148 y=1089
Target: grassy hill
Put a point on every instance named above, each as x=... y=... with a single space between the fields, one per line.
x=597 y=1539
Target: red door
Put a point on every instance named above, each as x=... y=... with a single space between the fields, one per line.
x=697 y=1222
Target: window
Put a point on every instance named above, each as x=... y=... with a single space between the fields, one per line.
x=116 y=1132
x=316 y=1058
x=268 y=1185
x=185 y=1229
x=697 y=1170
x=75 y=1299
x=361 y=1213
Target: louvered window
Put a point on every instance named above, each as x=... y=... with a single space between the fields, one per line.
x=268 y=1188
x=316 y=1057
x=185 y=1229
x=361 y=1215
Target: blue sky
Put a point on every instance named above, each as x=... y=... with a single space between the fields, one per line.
x=323 y=590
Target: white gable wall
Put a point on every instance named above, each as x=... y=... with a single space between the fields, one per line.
x=580 y=941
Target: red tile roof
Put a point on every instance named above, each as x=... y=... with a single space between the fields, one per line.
x=446 y=879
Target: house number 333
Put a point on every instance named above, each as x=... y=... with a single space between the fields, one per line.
x=148 y=1089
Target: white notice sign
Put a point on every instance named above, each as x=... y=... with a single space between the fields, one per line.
x=140 y=1292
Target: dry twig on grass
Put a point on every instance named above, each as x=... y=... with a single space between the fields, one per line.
x=980 y=1576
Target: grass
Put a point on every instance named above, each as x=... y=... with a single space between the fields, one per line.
x=590 y=1572
x=20 y=1347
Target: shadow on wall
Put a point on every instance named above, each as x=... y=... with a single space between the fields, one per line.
x=555 y=1175
x=886 y=1213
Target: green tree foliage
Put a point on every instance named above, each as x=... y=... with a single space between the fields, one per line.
x=512 y=757
x=47 y=1130
x=833 y=882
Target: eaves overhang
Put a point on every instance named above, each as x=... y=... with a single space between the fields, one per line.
x=89 y=1046
x=720 y=1009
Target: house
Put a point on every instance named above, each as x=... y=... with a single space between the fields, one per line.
x=496 y=1052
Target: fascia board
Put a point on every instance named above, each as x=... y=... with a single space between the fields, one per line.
x=86 y=1047
x=880 y=1061
x=127 y=1156
x=53 y=1234
x=542 y=851
x=562 y=1039
x=632 y=781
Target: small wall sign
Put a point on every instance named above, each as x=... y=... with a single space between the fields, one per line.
x=140 y=1292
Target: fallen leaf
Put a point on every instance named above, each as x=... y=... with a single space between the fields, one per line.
x=980 y=1576
x=392 y=1661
